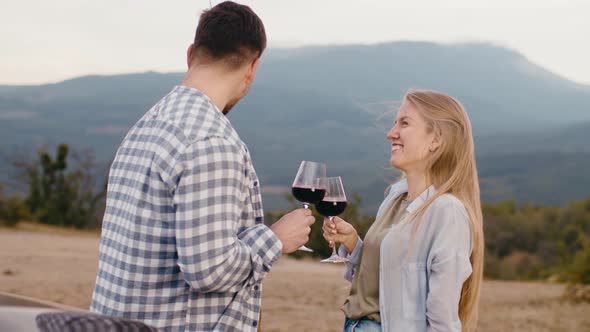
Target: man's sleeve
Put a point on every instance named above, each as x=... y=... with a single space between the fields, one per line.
x=211 y=191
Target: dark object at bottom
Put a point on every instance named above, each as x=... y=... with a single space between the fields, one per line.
x=71 y=321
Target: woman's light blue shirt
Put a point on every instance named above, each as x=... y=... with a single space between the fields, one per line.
x=420 y=290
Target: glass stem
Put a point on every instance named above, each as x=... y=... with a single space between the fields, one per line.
x=334 y=253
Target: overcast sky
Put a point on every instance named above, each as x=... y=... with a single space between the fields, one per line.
x=49 y=41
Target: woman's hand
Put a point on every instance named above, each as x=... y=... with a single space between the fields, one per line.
x=339 y=231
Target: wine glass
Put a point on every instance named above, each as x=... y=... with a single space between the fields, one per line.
x=309 y=185
x=333 y=204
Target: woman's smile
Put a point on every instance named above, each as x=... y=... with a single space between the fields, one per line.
x=396 y=146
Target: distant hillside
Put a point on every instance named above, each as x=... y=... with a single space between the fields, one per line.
x=328 y=103
x=572 y=138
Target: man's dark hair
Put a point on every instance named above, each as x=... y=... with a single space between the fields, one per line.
x=230 y=32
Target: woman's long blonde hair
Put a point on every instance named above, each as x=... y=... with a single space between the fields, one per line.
x=451 y=169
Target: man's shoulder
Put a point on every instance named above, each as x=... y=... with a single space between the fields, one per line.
x=215 y=146
x=194 y=115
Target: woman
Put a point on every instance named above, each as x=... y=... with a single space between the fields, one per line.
x=420 y=265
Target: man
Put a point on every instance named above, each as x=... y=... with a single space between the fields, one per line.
x=184 y=246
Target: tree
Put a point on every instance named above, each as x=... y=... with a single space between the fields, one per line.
x=59 y=195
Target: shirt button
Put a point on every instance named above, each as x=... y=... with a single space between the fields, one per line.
x=254 y=323
x=256 y=287
x=255 y=183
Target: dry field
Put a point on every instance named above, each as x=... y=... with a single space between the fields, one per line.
x=60 y=266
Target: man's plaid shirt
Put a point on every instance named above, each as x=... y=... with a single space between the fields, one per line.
x=184 y=246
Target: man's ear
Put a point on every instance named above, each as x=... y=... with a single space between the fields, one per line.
x=189 y=55
x=251 y=71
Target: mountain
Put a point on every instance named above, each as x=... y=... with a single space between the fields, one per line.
x=335 y=103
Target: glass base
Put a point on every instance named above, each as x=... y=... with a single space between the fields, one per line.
x=304 y=248
x=335 y=259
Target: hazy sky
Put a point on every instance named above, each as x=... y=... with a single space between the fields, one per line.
x=49 y=41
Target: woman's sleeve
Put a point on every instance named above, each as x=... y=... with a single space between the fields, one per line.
x=449 y=269
x=354 y=257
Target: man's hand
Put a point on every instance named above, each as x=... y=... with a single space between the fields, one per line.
x=293 y=229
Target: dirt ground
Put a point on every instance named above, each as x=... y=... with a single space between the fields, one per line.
x=60 y=266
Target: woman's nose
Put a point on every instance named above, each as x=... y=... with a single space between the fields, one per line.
x=393 y=133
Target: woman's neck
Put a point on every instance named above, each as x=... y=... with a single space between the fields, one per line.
x=417 y=184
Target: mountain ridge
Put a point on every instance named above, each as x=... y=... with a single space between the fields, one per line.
x=335 y=103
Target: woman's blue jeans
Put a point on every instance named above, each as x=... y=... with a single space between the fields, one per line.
x=361 y=325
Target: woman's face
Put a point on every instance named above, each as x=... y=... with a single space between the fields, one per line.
x=411 y=143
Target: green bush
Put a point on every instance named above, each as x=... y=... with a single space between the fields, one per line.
x=579 y=271
x=61 y=195
x=16 y=210
x=12 y=209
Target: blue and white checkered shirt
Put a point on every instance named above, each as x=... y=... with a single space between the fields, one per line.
x=184 y=246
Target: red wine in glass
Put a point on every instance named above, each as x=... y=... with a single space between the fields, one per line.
x=308 y=186
x=330 y=208
x=333 y=204
x=308 y=195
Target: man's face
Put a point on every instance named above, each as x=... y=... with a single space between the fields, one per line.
x=230 y=105
x=244 y=87
x=232 y=102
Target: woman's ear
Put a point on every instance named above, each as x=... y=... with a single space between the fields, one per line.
x=436 y=141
